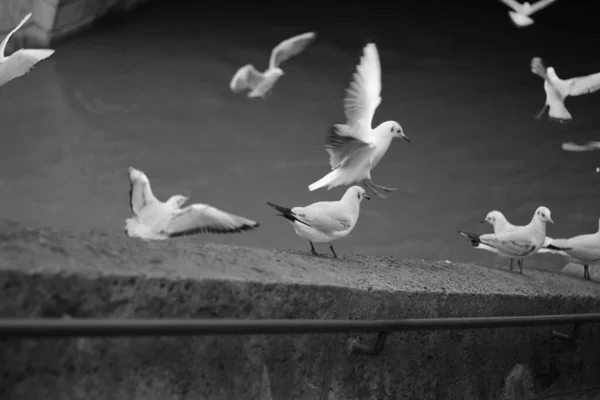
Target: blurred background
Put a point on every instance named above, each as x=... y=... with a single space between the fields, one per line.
x=149 y=89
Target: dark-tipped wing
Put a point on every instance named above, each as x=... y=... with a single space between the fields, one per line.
x=340 y=145
x=202 y=218
x=584 y=84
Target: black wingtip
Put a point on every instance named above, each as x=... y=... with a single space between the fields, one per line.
x=215 y=230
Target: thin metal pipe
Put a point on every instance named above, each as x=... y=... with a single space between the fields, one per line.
x=28 y=328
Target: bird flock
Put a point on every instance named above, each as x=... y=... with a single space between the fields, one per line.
x=354 y=148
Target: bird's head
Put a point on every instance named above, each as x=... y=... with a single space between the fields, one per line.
x=276 y=72
x=493 y=217
x=177 y=200
x=543 y=214
x=357 y=192
x=393 y=129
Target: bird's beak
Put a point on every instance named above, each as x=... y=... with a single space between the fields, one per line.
x=483 y=221
x=403 y=136
x=367 y=197
x=550 y=220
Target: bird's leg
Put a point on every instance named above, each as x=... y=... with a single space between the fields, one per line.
x=385 y=189
x=312 y=248
x=586 y=272
x=520 y=263
x=539 y=115
x=333 y=251
x=511 y=264
x=367 y=184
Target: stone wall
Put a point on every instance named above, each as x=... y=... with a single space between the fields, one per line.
x=53 y=20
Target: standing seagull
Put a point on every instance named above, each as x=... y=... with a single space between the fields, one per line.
x=521 y=13
x=325 y=221
x=260 y=83
x=521 y=242
x=582 y=249
x=355 y=147
x=21 y=61
x=557 y=90
x=155 y=220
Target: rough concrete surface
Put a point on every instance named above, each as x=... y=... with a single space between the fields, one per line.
x=51 y=273
x=577 y=270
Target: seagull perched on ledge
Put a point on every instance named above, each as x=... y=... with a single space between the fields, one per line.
x=21 y=61
x=557 y=90
x=260 y=83
x=155 y=220
x=521 y=13
x=355 y=148
x=325 y=221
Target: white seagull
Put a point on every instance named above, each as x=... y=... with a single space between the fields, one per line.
x=355 y=147
x=520 y=242
x=557 y=90
x=582 y=249
x=521 y=13
x=21 y=61
x=587 y=146
x=325 y=221
x=501 y=224
x=155 y=220
x=260 y=83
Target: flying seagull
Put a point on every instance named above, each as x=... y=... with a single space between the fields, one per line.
x=521 y=14
x=557 y=90
x=325 y=221
x=155 y=220
x=21 y=61
x=355 y=148
x=260 y=83
x=520 y=242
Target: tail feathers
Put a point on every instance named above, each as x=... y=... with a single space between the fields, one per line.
x=473 y=237
x=330 y=180
x=287 y=213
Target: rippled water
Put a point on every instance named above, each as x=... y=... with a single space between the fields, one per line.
x=150 y=90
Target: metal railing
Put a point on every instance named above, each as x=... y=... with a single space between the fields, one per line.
x=72 y=327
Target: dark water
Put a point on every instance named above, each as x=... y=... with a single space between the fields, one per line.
x=150 y=90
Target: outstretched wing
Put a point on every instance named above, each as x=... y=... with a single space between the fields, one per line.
x=7 y=38
x=538 y=67
x=140 y=193
x=247 y=77
x=289 y=48
x=363 y=94
x=21 y=62
x=340 y=145
x=584 y=84
x=200 y=218
x=539 y=5
x=518 y=7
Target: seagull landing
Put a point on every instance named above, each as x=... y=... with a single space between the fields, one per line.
x=521 y=14
x=155 y=220
x=355 y=147
x=21 y=61
x=260 y=83
x=325 y=221
x=557 y=90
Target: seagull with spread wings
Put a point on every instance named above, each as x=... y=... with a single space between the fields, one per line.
x=325 y=221
x=260 y=83
x=355 y=148
x=583 y=249
x=557 y=90
x=21 y=61
x=521 y=14
x=520 y=242
x=156 y=220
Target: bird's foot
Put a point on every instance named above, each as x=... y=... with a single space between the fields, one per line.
x=333 y=251
x=385 y=189
x=372 y=189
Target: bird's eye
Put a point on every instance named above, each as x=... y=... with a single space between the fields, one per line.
x=392 y=129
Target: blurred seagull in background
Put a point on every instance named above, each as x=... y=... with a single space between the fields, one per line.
x=521 y=13
x=325 y=221
x=260 y=83
x=355 y=147
x=582 y=249
x=21 y=61
x=587 y=146
x=155 y=220
x=520 y=242
x=557 y=90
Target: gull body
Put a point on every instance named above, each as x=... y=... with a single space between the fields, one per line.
x=325 y=221
x=587 y=146
x=519 y=242
x=156 y=220
x=557 y=90
x=261 y=83
x=582 y=249
x=21 y=61
x=355 y=148
x=521 y=12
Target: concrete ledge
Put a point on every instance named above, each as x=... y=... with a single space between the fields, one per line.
x=48 y=272
x=577 y=271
